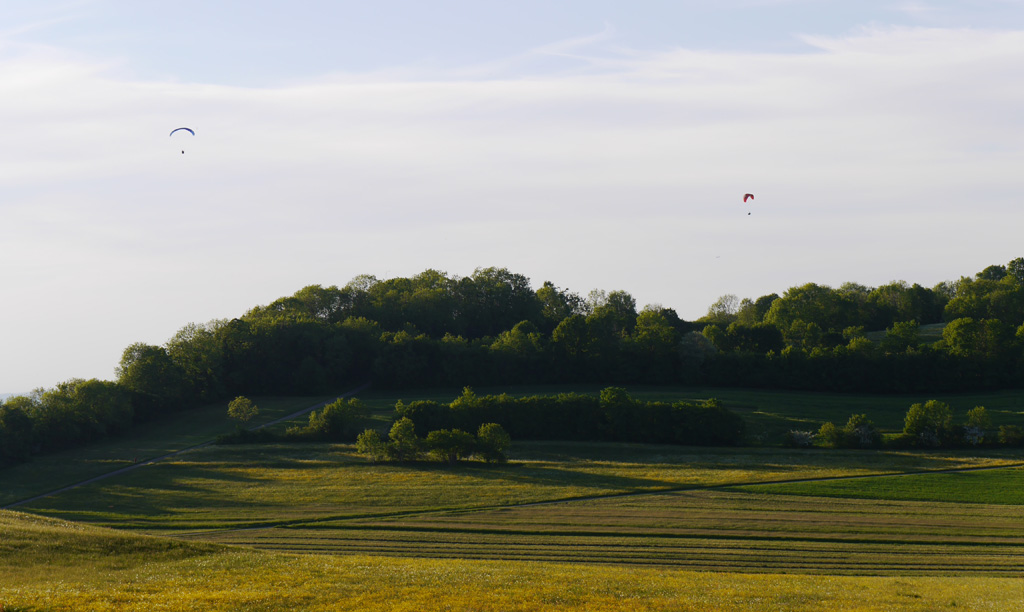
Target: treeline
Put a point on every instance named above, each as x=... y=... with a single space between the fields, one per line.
x=75 y=412
x=612 y=416
x=493 y=328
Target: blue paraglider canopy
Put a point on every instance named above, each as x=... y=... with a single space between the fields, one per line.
x=189 y=130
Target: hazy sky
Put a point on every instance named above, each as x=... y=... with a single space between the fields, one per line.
x=593 y=143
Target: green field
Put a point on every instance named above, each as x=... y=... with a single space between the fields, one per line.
x=1002 y=487
x=563 y=526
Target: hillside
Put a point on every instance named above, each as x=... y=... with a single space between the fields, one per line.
x=494 y=329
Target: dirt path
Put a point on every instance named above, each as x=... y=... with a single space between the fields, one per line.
x=153 y=460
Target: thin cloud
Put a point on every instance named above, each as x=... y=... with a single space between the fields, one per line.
x=885 y=145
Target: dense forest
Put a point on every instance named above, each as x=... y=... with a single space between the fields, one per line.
x=493 y=328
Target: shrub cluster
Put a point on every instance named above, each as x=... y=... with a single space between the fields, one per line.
x=926 y=425
x=491 y=443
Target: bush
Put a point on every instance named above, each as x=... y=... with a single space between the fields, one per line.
x=1011 y=435
x=860 y=432
x=930 y=424
x=799 y=439
x=369 y=443
x=337 y=421
x=450 y=445
x=492 y=443
x=829 y=435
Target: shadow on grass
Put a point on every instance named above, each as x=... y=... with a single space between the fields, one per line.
x=534 y=475
x=151 y=494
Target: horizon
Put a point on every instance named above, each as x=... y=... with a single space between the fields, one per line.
x=594 y=145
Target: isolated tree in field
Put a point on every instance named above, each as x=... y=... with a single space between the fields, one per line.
x=929 y=424
x=492 y=443
x=242 y=409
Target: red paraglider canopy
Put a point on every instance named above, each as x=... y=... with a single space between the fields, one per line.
x=748 y=196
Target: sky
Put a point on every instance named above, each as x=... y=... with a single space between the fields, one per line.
x=596 y=144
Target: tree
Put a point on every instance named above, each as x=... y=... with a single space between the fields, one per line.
x=450 y=445
x=812 y=304
x=1015 y=270
x=860 y=432
x=149 y=371
x=653 y=344
x=369 y=443
x=338 y=420
x=403 y=444
x=829 y=435
x=992 y=273
x=242 y=409
x=724 y=310
x=197 y=351
x=929 y=424
x=492 y=443
x=902 y=337
x=570 y=336
x=557 y=305
x=520 y=352
x=985 y=338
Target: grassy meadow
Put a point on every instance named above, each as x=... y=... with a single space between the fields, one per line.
x=157 y=438
x=562 y=526
x=55 y=566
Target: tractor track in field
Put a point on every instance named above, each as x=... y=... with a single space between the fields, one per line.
x=176 y=453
